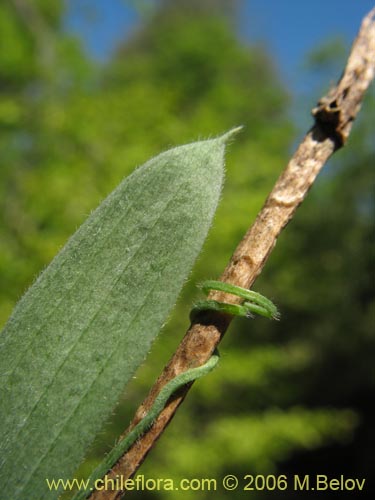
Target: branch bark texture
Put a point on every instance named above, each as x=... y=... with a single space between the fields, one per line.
x=334 y=116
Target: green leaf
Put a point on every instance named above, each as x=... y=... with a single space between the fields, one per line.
x=80 y=332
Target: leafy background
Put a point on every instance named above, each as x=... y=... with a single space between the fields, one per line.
x=289 y=397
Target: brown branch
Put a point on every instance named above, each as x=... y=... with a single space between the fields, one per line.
x=334 y=116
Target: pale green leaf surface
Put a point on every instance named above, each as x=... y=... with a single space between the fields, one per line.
x=80 y=332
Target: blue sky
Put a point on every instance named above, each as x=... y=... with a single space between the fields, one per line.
x=289 y=29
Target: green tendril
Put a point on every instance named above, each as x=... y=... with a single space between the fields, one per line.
x=253 y=303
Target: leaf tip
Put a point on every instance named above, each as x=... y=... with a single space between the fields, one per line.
x=231 y=133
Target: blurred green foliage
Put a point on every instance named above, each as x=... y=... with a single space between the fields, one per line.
x=294 y=396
